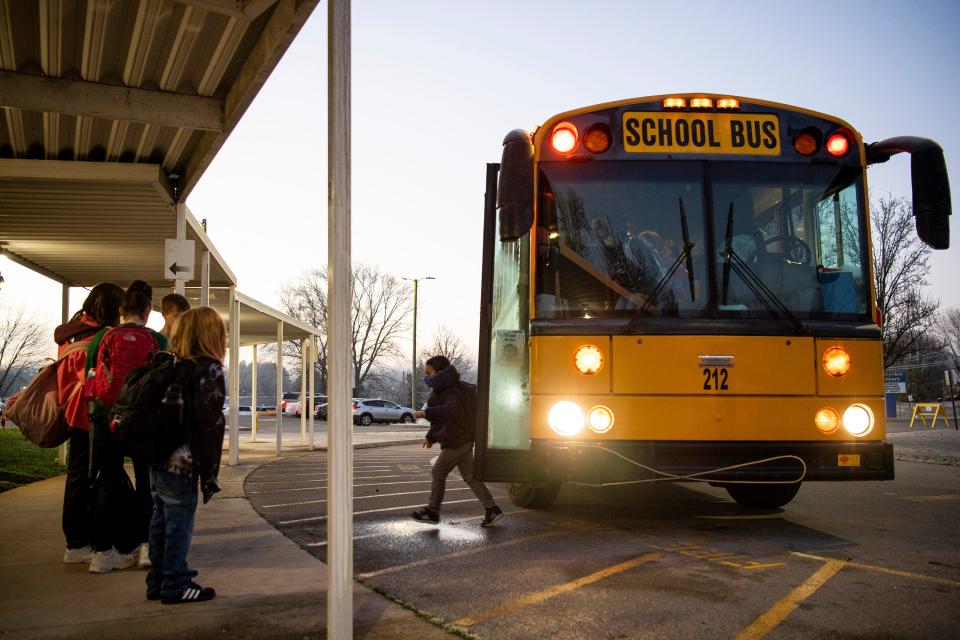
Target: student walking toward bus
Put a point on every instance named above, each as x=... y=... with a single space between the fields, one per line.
x=121 y=521
x=199 y=339
x=452 y=425
x=100 y=310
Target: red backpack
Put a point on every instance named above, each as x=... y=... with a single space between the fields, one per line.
x=122 y=349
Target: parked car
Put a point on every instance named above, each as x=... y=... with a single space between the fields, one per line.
x=292 y=406
x=320 y=411
x=368 y=411
x=288 y=399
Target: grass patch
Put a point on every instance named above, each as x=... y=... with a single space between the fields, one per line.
x=22 y=462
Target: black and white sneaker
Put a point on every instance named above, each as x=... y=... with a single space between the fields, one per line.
x=426 y=515
x=493 y=514
x=193 y=593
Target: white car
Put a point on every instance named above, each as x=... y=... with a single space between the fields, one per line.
x=291 y=407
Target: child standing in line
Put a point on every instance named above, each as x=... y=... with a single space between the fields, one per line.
x=199 y=341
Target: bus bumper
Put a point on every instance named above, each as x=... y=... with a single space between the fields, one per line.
x=620 y=461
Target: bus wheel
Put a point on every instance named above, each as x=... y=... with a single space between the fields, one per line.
x=534 y=495
x=763 y=496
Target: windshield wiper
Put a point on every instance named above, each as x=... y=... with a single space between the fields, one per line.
x=762 y=292
x=685 y=256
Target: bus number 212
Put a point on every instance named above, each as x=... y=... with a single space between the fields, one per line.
x=715 y=379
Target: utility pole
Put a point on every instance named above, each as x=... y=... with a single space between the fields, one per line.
x=413 y=369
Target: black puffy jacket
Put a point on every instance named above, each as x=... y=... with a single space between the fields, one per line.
x=446 y=411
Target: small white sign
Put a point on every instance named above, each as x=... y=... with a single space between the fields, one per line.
x=178 y=259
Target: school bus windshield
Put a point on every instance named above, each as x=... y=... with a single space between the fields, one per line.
x=610 y=240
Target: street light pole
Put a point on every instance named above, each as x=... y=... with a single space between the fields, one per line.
x=413 y=370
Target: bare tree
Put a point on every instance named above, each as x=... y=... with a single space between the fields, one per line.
x=380 y=305
x=23 y=346
x=447 y=343
x=901 y=266
x=306 y=300
x=948 y=328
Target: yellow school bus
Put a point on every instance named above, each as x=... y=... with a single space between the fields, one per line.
x=679 y=288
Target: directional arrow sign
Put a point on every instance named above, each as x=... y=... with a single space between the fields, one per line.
x=178 y=259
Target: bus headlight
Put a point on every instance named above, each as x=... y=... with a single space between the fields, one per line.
x=566 y=419
x=836 y=362
x=858 y=420
x=600 y=419
x=827 y=420
x=588 y=359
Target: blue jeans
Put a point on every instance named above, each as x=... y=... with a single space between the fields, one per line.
x=171 y=528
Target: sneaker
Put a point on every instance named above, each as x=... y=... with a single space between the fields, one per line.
x=493 y=514
x=193 y=593
x=144 y=556
x=112 y=560
x=80 y=555
x=426 y=515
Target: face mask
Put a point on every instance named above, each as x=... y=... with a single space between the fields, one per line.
x=428 y=380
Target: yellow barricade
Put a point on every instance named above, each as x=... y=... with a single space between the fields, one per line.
x=924 y=410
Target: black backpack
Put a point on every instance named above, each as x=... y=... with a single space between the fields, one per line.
x=469 y=394
x=148 y=416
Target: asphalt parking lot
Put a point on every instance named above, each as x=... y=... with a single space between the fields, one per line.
x=843 y=560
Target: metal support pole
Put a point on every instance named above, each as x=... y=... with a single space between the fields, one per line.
x=179 y=285
x=205 y=279
x=233 y=457
x=339 y=418
x=304 y=402
x=254 y=417
x=279 y=386
x=64 y=317
x=413 y=371
x=313 y=355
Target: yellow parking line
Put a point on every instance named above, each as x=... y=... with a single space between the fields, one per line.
x=891 y=572
x=459 y=554
x=785 y=606
x=546 y=594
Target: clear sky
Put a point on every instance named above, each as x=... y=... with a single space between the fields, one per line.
x=437 y=85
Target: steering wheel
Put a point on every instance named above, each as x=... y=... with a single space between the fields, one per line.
x=794 y=249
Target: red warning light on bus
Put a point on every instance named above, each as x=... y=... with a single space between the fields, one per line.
x=838 y=145
x=564 y=138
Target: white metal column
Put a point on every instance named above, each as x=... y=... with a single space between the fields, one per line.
x=313 y=358
x=205 y=279
x=64 y=318
x=179 y=285
x=254 y=418
x=279 y=386
x=339 y=419
x=304 y=404
x=233 y=457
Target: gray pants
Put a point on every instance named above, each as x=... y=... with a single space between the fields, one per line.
x=462 y=459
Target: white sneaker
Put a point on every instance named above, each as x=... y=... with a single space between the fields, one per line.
x=144 y=561
x=107 y=561
x=80 y=555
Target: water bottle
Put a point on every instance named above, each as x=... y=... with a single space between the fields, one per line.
x=173 y=402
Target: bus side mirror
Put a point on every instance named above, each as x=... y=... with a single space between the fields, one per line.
x=515 y=193
x=931 y=185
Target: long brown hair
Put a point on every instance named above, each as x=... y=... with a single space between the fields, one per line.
x=200 y=333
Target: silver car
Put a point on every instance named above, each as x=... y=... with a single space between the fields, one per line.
x=366 y=412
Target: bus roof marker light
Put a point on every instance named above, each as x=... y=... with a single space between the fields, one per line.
x=701 y=103
x=588 y=359
x=564 y=138
x=838 y=145
x=728 y=103
x=597 y=139
x=806 y=143
x=674 y=103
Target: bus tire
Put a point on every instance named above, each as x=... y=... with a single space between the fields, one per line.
x=534 y=495
x=763 y=496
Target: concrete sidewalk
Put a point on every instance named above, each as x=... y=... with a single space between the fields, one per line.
x=267 y=587
x=922 y=444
